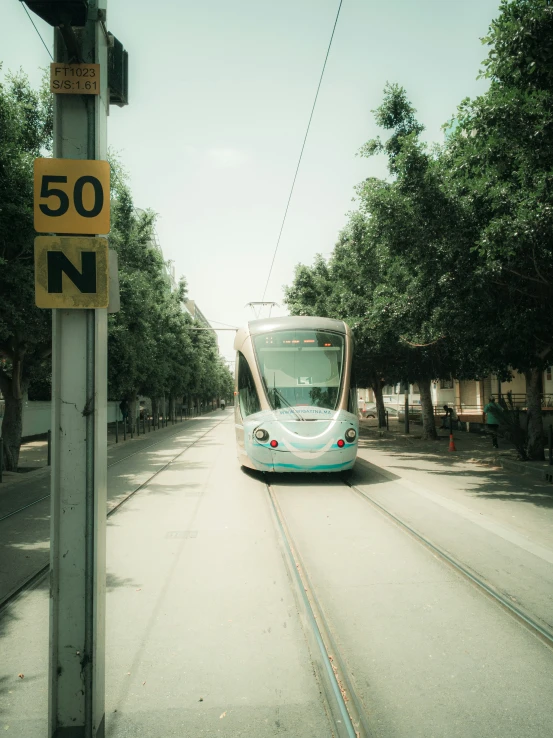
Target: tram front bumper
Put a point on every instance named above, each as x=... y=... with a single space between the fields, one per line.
x=289 y=458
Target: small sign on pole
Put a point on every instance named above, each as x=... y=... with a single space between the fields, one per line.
x=71 y=272
x=75 y=79
x=71 y=196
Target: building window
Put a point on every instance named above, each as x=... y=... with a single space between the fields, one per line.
x=415 y=389
x=548 y=373
x=446 y=383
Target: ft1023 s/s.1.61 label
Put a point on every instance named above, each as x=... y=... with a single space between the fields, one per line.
x=75 y=79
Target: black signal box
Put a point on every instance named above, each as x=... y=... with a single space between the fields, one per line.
x=118 y=74
x=60 y=12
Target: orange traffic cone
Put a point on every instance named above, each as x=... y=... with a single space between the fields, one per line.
x=451 y=443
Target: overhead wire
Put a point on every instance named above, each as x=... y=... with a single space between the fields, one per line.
x=36 y=29
x=220 y=322
x=302 y=148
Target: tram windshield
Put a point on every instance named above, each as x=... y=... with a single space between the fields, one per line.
x=301 y=367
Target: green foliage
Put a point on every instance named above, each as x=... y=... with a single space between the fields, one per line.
x=500 y=162
x=150 y=347
x=311 y=290
x=152 y=350
x=522 y=45
x=447 y=267
x=25 y=133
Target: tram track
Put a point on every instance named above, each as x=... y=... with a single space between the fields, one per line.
x=37 y=577
x=350 y=715
x=109 y=466
x=519 y=613
x=347 y=711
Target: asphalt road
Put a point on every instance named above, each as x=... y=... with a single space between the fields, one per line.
x=206 y=632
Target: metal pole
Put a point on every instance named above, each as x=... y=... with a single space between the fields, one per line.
x=550 y=434
x=406 y=427
x=130 y=424
x=116 y=430
x=387 y=420
x=1 y=457
x=124 y=428
x=144 y=422
x=49 y=448
x=79 y=447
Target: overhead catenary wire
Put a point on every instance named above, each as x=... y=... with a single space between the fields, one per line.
x=38 y=32
x=220 y=322
x=302 y=148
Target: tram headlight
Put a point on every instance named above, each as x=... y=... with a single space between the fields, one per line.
x=261 y=435
x=351 y=435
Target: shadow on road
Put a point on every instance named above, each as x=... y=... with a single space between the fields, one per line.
x=482 y=480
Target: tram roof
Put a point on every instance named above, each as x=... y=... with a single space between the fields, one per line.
x=295 y=322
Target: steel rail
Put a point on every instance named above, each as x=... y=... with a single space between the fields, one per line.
x=353 y=722
x=39 y=575
x=519 y=613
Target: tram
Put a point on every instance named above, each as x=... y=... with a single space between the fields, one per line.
x=296 y=405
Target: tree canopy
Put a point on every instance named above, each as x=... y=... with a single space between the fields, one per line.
x=446 y=266
x=151 y=349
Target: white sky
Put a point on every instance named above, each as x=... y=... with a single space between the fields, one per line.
x=220 y=96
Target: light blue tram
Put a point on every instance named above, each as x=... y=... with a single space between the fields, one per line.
x=296 y=406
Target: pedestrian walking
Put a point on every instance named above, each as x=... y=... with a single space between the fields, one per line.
x=493 y=418
x=222 y=404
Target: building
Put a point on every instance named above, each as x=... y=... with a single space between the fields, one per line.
x=467 y=396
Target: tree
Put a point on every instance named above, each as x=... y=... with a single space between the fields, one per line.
x=140 y=334
x=311 y=290
x=25 y=133
x=500 y=160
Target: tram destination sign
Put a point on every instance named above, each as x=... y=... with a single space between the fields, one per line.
x=71 y=272
x=71 y=196
x=75 y=79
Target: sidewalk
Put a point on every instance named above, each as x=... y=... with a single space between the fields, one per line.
x=34 y=454
x=473 y=447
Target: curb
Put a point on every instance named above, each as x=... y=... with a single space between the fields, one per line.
x=544 y=473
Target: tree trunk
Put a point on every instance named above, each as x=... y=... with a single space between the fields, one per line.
x=171 y=407
x=376 y=386
x=12 y=424
x=132 y=409
x=155 y=411
x=12 y=427
x=428 y=421
x=534 y=441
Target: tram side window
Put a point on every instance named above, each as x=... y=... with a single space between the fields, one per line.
x=247 y=394
x=352 y=398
